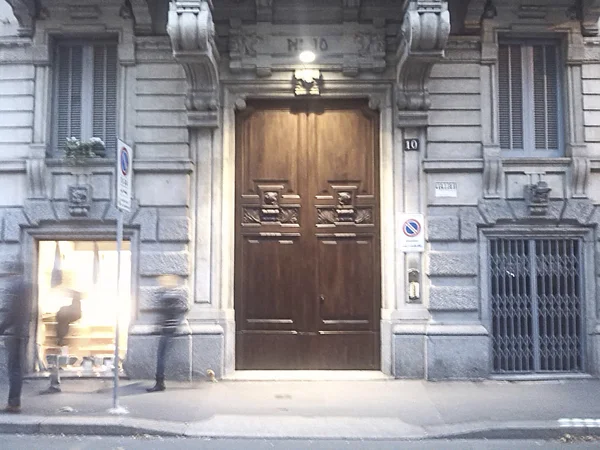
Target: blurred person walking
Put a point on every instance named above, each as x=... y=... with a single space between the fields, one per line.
x=15 y=325
x=173 y=307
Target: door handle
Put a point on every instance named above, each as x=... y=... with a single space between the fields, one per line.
x=322 y=299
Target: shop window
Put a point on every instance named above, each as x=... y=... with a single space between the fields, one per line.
x=85 y=94
x=88 y=268
x=529 y=97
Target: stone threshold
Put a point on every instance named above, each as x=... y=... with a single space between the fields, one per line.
x=308 y=375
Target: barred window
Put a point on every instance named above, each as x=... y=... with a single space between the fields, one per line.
x=529 y=95
x=85 y=93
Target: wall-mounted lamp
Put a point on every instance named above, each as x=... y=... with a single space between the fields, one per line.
x=307 y=56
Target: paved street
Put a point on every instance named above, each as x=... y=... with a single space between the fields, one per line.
x=390 y=409
x=16 y=442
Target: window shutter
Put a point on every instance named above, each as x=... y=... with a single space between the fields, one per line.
x=510 y=78
x=545 y=97
x=69 y=81
x=105 y=95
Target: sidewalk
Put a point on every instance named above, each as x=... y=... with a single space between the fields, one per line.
x=382 y=409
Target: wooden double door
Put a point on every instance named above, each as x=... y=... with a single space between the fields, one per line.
x=307 y=268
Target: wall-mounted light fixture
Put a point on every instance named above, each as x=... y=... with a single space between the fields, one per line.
x=307 y=56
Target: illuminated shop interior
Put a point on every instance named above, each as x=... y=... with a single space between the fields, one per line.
x=90 y=269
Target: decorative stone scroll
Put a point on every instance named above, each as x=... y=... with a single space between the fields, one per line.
x=590 y=13
x=425 y=31
x=265 y=47
x=141 y=14
x=25 y=12
x=192 y=32
x=492 y=173
x=580 y=170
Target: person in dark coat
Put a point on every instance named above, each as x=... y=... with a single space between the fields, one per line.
x=15 y=326
x=173 y=307
x=66 y=315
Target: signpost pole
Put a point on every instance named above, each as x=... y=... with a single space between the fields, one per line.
x=123 y=203
x=117 y=312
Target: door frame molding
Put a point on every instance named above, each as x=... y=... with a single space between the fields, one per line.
x=235 y=94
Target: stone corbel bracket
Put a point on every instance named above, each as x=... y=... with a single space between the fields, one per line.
x=590 y=13
x=192 y=32
x=141 y=15
x=425 y=31
x=25 y=12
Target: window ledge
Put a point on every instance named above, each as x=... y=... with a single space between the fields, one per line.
x=88 y=162
x=536 y=161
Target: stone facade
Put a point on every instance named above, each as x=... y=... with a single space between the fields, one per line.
x=184 y=68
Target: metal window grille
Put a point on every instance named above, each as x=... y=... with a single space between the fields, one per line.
x=537 y=305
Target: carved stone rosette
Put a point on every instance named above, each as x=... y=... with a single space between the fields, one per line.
x=425 y=31
x=192 y=32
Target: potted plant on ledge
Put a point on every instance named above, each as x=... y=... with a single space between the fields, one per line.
x=78 y=151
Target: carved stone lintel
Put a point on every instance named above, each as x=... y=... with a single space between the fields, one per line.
x=25 y=12
x=580 y=171
x=425 y=31
x=590 y=13
x=80 y=200
x=192 y=32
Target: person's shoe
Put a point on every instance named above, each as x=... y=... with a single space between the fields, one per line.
x=159 y=386
x=11 y=409
x=52 y=389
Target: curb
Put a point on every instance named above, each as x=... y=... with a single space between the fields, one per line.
x=215 y=429
x=100 y=426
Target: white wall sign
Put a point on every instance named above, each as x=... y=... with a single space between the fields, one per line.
x=412 y=234
x=124 y=175
x=446 y=189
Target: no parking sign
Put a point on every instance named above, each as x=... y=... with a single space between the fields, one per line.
x=412 y=236
x=124 y=172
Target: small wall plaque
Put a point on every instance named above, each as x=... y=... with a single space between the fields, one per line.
x=412 y=145
x=446 y=189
